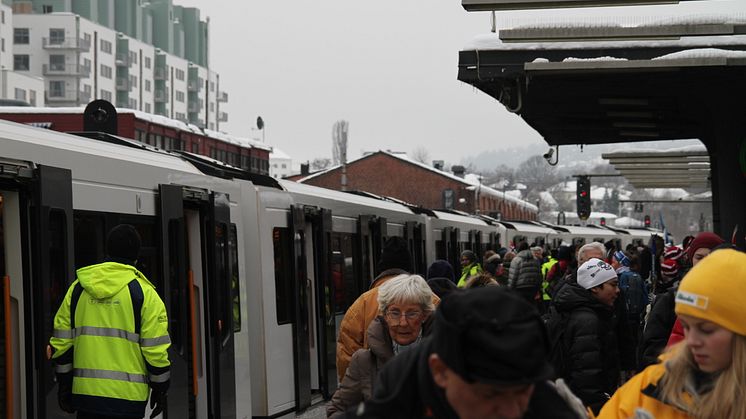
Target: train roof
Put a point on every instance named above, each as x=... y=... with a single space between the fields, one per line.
x=584 y=230
x=527 y=227
x=449 y=216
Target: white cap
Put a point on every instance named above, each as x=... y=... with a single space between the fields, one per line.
x=594 y=273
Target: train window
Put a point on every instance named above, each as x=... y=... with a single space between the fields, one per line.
x=57 y=268
x=282 y=242
x=223 y=295
x=90 y=237
x=343 y=271
x=233 y=260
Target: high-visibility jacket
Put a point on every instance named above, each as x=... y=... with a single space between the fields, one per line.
x=467 y=272
x=111 y=337
x=545 y=268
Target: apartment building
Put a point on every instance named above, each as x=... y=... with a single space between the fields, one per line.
x=15 y=85
x=147 y=56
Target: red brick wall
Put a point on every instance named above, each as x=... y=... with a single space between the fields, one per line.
x=383 y=174
x=60 y=122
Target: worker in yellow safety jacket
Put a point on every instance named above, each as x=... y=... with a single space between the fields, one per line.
x=111 y=337
x=469 y=267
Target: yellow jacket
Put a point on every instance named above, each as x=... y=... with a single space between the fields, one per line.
x=641 y=392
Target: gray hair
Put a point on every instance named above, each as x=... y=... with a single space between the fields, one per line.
x=405 y=289
x=590 y=246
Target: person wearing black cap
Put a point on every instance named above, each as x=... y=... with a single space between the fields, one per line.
x=117 y=361
x=395 y=260
x=486 y=358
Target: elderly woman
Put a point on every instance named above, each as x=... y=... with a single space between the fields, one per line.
x=405 y=304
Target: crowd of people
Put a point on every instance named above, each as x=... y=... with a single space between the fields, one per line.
x=648 y=331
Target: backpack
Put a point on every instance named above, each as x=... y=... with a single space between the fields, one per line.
x=635 y=293
x=555 y=323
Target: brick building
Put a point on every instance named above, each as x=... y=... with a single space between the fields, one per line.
x=394 y=175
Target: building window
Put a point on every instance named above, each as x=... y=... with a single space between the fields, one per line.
x=57 y=62
x=2 y=47
x=195 y=147
x=56 y=88
x=56 y=36
x=133 y=104
x=32 y=97
x=106 y=46
x=147 y=62
x=21 y=62
x=147 y=107
x=212 y=106
x=133 y=57
x=47 y=8
x=87 y=63
x=212 y=86
x=2 y=16
x=20 y=94
x=133 y=82
x=87 y=38
x=147 y=85
x=179 y=96
x=106 y=71
x=20 y=36
x=212 y=126
x=106 y=95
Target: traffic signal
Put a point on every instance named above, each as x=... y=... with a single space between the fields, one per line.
x=583 y=198
x=603 y=221
x=647 y=221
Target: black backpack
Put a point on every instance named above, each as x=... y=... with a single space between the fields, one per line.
x=555 y=323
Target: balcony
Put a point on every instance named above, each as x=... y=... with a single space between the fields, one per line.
x=80 y=97
x=222 y=97
x=193 y=86
x=193 y=107
x=123 y=84
x=222 y=116
x=161 y=96
x=160 y=73
x=75 y=70
x=67 y=43
x=123 y=59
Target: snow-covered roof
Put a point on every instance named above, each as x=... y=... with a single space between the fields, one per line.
x=548 y=199
x=628 y=222
x=278 y=154
x=156 y=119
x=472 y=180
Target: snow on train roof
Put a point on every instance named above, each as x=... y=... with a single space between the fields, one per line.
x=323 y=193
x=586 y=231
x=447 y=216
x=11 y=131
x=155 y=119
x=527 y=227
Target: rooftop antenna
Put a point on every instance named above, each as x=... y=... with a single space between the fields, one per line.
x=339 y=148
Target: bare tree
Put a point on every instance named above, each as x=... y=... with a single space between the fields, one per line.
x=421 y=155
x=320 y=163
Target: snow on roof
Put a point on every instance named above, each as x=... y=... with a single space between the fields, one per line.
x=469 y=179
x=278 y=154
x=156 y=119
x=605 y=58
x=628 y=222
x=698 y=148
x=702 y=53
x=671 y=193
x=548 y=199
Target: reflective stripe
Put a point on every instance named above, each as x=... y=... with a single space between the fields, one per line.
x=160 y=340
x=107 y=332
x=160 y=378
x=63 y=368
x=62 y=334
x=110 y=375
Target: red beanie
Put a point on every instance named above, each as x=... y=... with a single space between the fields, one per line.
x=705 y=239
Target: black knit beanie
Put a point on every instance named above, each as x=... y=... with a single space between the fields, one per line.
x=123 y=244
x=395 y=255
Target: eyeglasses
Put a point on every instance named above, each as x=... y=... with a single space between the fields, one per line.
x=396 y=315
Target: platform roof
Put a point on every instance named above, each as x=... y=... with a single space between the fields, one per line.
x=678 y=168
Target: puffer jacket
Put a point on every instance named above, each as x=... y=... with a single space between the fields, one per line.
x=525 y=271
x=352 y=330
x=592 y=354
x=658 y=328
x=642 y=392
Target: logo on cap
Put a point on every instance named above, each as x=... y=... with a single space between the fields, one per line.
x=694 y=300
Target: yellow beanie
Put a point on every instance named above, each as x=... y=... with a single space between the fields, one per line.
x=714 y=290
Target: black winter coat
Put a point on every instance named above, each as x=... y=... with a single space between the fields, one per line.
x=525 y=271
x=405 y=390
x=591 y=347
x=658 y=328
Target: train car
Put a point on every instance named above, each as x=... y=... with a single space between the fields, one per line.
x=532 y=232
x=452 y=232
x=60 y=195
x=580 y=235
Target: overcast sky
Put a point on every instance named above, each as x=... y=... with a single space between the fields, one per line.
x=388 y=67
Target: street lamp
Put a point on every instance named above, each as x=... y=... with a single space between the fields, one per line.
x=260 y=126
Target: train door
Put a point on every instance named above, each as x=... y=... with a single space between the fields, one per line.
x=455 y=250
x=325 y=325
x=414 y=233
x=301 y=321
x=447 y=234
x=379 y=233
x=199 y=289
x=364 y=252
x=36 y=267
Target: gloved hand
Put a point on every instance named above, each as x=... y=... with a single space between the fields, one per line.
x=157 y=402
x=65 y=397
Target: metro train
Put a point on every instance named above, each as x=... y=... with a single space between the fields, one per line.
x=255 y=273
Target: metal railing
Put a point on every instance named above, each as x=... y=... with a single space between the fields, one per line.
x=161 y=96
x=222 y=97
x=76 y=70
x=66 y=43
x=223 y=117
x=123 y=59
x=193 y=86
x=193 y=107
x=160 y=73
x=123 y=84
x=79 y=97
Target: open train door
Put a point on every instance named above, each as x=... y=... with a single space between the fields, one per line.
x=221 y=292
x=301 y=320
x=39 y=267
x=321 y=220
x=177 y=291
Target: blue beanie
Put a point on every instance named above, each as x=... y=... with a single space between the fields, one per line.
x=441 y=269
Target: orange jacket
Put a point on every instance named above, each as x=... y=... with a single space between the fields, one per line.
x=352 y=330
x=640 y=392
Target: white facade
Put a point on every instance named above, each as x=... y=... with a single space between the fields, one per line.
x=280 y=164
x=80 y=61
x=6 y=36
x=15 y=85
